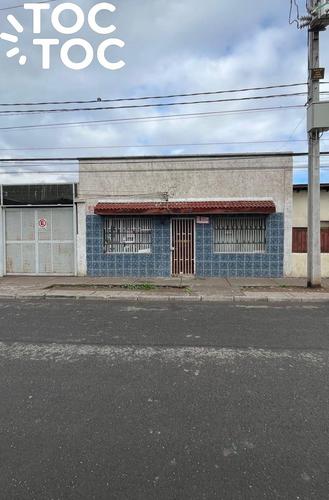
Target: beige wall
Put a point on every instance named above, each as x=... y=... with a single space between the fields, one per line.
x=299 y=261
x=300 y=208
x=196 y=178
x=299 y=265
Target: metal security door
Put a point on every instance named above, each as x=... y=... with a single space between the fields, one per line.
x=40 y=241
x=183 y=243
x=20 y=241
x=55 y=241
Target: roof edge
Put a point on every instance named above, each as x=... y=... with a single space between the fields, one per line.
x=269 y=154
x=186 y=208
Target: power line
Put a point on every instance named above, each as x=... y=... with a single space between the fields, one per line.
x=293 y=3
x=154 y=97
x=178 y=116
x=167 y=104
x=168 y=96
x=123 y=146
x=179 y=158
x=22 y=5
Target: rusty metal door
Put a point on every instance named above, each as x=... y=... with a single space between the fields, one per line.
x=40 y=241
x=183 y=246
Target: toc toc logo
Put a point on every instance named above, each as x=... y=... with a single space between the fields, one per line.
x=81 y=18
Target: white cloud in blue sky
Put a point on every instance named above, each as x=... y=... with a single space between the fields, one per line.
x=172 y=46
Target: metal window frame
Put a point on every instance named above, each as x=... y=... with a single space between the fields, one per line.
x=234 y=251
x=107 y=220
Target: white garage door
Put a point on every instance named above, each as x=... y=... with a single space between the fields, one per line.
x=39 y=241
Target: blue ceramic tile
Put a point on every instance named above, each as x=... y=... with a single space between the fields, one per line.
x=208 y=263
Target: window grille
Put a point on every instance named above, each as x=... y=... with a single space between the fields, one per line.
x=240 y=234
x=127 y=235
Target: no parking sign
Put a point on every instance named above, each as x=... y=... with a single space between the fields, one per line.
x=43 y=224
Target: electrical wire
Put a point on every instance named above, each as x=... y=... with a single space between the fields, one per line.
x=123 y=146
x=295 y=129
x=156 y=105
x=167 y=96
x=179 y=116
x=154 y=97
x=145 y=159
x=293 y=3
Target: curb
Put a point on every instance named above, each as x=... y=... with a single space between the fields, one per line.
x=237 y=299
x=278 y=300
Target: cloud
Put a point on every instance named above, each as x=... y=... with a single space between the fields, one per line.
x=172 y=46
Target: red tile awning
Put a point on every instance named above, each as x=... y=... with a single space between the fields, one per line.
x=186 y=207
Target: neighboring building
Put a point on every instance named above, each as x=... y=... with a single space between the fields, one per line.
x=300 y=221
x=209 y=216
x=37 y=230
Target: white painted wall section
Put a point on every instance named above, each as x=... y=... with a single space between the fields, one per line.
x=81 y=246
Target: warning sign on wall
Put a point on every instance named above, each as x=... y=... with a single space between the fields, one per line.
x=43 y=224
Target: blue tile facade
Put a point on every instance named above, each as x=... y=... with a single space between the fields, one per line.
x=208 y=263
x=224 y=265
x=156 y=264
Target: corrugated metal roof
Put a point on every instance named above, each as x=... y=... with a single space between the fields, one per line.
x=186 y=207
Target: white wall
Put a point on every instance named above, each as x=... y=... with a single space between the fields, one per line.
x=81 y=258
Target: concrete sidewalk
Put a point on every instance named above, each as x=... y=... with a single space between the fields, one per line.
x=173 y=289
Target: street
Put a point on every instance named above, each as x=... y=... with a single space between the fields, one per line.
x=170 y=401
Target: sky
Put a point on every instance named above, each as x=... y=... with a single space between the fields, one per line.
x=171 y=46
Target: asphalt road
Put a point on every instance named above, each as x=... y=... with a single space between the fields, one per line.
x=128 y=401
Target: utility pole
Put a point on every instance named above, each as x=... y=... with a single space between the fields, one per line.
x=318 y=121
x=314 y=229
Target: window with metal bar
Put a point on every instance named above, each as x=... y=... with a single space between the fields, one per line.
x=128 y=235
x=235 y=234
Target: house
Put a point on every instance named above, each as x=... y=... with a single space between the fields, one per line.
x=207 y=215
x=299 y=222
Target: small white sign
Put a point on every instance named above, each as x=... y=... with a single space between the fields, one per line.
x=202 y=220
